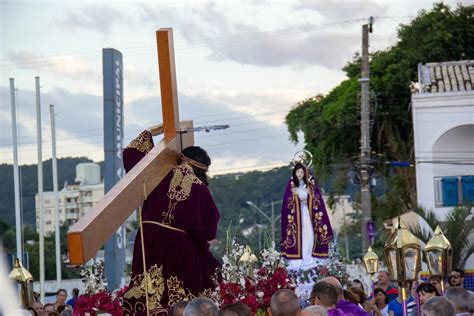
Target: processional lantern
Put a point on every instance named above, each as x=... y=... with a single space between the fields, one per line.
x=371 y=262
x=403 y=256
x=24 y=278
x=439 y=255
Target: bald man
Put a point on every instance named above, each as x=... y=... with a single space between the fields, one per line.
x=284 y=303
x=347 y=307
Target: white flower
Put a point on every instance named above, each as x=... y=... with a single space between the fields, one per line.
x=260 y=294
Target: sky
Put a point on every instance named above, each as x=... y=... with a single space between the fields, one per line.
x=241 y=63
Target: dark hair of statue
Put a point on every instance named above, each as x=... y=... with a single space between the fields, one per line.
x=297 y=166
x=200 y=155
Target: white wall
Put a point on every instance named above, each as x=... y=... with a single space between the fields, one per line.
x=443 y=125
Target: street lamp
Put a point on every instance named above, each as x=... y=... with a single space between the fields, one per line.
x=23 y=277
x=439 y=254
x=371 y=262
x=272 y=220
x=403 y=256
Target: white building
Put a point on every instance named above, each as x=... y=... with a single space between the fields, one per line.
x=443 y=124
x=74 y=200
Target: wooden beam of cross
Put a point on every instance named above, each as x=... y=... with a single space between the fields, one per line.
x=93 y=230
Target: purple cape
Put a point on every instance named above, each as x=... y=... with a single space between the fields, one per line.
x=350 y=308
x=291 y=222
x=179 y=218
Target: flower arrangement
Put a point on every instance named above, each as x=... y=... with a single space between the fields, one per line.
x=334 y=267
x=96 y=298
x=238 y=281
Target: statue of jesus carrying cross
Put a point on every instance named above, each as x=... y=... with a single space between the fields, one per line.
x=178 y=218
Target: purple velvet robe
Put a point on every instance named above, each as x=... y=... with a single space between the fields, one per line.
x=179 y=218
x=291 y=222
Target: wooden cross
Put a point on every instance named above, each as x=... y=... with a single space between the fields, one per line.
x=93 y=230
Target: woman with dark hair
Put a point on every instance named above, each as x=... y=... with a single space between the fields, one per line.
x=179 y=218
x=425 y=291
x=61 y=296
x=305 y=227
x=379 y=302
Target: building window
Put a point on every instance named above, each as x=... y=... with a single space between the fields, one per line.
x=450 y=191
x=467 y=189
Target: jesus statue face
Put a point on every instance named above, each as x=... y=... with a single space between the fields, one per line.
x=299 y=174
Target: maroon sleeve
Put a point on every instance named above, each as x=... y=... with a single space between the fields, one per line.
x=205 y=227
x=137 y=149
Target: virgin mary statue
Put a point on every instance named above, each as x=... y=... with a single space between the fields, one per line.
x=305 y=228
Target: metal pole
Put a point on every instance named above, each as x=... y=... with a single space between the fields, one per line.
x=273 y=223
x=346 y=237
x=54 y=166
x=365 y=138
x=40 y=188
x=16 y=175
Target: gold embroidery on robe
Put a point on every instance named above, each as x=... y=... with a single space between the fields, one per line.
x=156 y=287
x=291 y=229
x=142 y=142
x=179 y=189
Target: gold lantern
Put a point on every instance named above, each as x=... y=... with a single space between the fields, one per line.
x=371 y=262
x=23 y=277
x=439 y=254
x=403 y=254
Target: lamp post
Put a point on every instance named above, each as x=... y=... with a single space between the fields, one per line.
x=371 y=262
x=23 y=277
x=272 y=220
x=439 y=254
x=402 y=252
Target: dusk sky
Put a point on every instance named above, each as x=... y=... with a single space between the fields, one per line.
x=242 y=63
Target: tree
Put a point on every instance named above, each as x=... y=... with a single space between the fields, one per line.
x=329 y=122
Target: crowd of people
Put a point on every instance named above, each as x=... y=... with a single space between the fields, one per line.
x=328 y=297
x=62 y=306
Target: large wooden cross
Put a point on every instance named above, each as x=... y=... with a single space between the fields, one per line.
x=93 y=230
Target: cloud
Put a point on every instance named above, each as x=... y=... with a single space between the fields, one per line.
x=64 y=65
x=340 y=10
x=330 y=50
x=253 y=139
x=78 y=121
x=303 y=44
x=98 y=18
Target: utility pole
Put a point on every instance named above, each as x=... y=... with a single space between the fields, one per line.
x=16 y=177
x=56 y=197
x=365 y=136
x=40 y=187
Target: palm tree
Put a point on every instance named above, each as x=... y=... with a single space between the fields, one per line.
x=458 y=227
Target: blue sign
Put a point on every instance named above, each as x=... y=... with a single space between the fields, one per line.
x=113 y=146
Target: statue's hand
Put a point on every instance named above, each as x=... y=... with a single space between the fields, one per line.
x=156 y=130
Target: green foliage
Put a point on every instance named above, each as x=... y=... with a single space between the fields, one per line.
x=329 y=123
x=29 y=186
x=231 y=191
x=31 y=246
